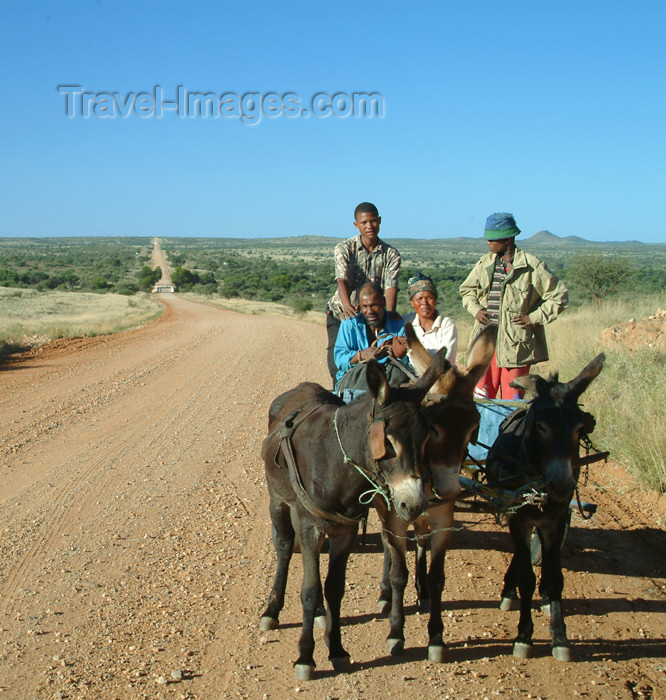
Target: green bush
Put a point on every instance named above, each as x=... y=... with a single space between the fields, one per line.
x=148 y=277
x=184 y=279
x=99 y=284
x=126 y=288
x=300 y=305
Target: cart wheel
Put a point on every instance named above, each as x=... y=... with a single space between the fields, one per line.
x=536 y=552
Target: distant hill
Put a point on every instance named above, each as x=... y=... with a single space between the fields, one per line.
x=543 y=237
x=548 y=238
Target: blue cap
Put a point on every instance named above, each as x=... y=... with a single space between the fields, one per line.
x=500 y=225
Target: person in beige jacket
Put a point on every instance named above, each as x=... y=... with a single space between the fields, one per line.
x=515 y=290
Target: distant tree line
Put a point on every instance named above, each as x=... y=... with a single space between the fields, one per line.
x=301 y=277
x=77 y=264
x=252 y=277
x=306 y=283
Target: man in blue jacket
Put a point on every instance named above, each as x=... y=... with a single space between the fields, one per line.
x=371 y=334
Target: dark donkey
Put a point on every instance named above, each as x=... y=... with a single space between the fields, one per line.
x=322 y=457
x=540 y=446
x=453 y=419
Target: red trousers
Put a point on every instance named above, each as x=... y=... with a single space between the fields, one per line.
x=499 y=378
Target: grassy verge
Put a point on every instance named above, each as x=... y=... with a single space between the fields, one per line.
x=29 y=317
x=629 y=397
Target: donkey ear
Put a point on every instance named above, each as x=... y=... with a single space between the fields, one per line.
x=577 y=386
x=481 y=352
x=378 y=439
x=377 y=382
x=418 y=355
x=445 y=383
x=529 y=382
x=438 y=365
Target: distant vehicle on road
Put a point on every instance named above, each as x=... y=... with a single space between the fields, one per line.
x=164 y=288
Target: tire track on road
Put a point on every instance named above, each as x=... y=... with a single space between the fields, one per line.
x=75 y=496
x=68 y=510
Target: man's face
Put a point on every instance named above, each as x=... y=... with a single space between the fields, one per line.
x=373 y=308
x=424 y=304
x=499 y=247
x=368 y=226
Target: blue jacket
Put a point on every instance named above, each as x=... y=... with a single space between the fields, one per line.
x=353 y=337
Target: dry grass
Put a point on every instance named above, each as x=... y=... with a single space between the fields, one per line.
x=28 y=317
x=629 y=397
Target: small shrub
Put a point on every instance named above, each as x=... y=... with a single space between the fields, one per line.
x=301 y=306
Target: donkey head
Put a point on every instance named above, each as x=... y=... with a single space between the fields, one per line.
x=450 y=410
x=554 y=425
x=398 y=435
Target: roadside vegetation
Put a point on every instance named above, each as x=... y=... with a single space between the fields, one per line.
x=102 y=265
x=29 y=317
x=629 y=398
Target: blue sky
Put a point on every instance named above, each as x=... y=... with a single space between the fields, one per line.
x=552 y=111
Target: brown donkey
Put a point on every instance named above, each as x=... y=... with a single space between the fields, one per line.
x=454 y=421
x=322 y=459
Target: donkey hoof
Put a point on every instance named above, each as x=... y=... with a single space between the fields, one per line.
x=522 y=650
x=436 y=654
x=562 y=653
x=304 y=672
x=545 y=609
x=509 y=604
x=340 y=664
x=268 y=623
x=383 y=607
x=320 y=622
x=395 y=647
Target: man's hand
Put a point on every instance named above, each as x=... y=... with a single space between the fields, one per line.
x=372 y=352
x=397 y=347
x=349 y=310
x=522 y=320
x=482 y=317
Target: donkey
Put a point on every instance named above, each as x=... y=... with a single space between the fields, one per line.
x=539 y=446
x=326 y=459
x=454 y=421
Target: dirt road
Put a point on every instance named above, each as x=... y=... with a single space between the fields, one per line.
x=158 y=259
x=135 y=550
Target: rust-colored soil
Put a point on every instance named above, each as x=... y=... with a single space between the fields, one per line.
x=136 y=557
x=648 y=332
